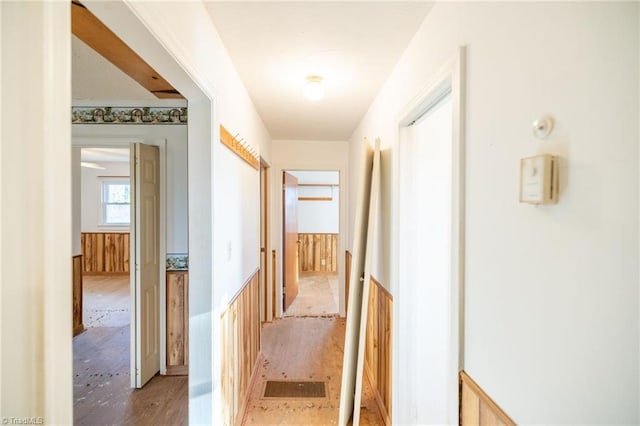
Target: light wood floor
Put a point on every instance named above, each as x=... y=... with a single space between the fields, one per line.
x=101 y=382
x=304 y=348
x=317 y=295
x=106 y=301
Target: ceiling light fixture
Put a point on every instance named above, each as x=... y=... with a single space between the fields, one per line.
x=314 y=91
x=89 y=165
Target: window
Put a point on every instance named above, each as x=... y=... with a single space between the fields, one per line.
x=116 y=202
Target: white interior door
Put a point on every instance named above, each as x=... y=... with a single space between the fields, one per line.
x=145 y=268
x=425 y=266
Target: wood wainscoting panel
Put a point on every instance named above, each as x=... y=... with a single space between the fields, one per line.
x=378 y=346
x=477 y=408
x=177 y=323
x=318 y=252
x=347 y=274
x=78 y=325
x=105 y=252
x=240 y=334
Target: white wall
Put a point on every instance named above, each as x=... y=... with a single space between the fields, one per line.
x=91 y=197
x=301 y=156
x=315 y=216
x=551 y=315
x=176 y=179
x=35 y=225
x=316 y=176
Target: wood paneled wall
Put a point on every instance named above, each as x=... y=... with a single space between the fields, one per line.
x=240 y=333
x=477 y=408
x=177 y=323
x=318 y=252
x=76 y=265
x=105 y=252
x=378 y=346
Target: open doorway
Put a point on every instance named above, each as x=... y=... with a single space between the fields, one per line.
x=132 y=238
x=105 y=235
x=103 y=353
x=314 y=218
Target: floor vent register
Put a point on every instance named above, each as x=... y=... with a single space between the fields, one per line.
x=292 y=389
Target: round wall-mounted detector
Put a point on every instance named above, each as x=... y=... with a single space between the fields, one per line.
x=542 y=127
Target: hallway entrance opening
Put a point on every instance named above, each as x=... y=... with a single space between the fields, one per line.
x=311 y=235
x=105 y=218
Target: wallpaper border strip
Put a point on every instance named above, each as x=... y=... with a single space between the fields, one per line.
x=129 y=115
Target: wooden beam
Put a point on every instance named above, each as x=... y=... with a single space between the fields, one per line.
x=88 y=28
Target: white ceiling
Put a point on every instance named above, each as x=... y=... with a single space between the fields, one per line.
x=352 y=45
x=274 y=46
x=95 y=78
x=105 y=155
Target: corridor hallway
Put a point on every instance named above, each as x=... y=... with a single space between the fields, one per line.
x=303 y=349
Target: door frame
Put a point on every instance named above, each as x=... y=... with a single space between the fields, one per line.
x=451 y=76
x=277 y=231
x=286 y=246
x=124 y=142
x=265 y=259
x=142 y=33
